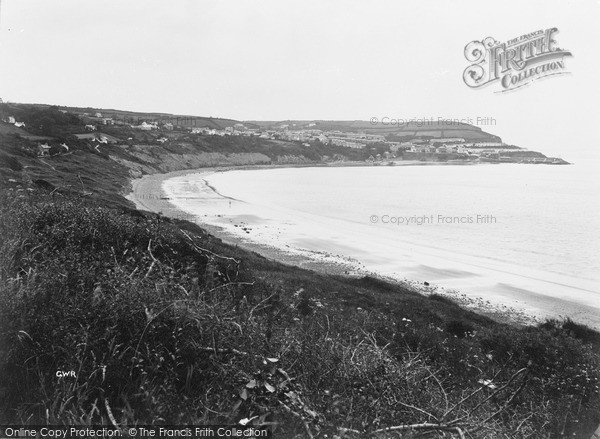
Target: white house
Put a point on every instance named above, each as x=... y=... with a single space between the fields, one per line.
x=43 y=149
x=100 y=139
x=488 y=144
x=145 y=126
x=447 y=140
x=421 y=148
x=395 y=146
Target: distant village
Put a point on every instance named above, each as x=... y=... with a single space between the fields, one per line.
x=418 y=147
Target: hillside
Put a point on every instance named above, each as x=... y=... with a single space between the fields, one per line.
x=168 y=142
x=133 y=116
x=436 y=129
x=164 y=324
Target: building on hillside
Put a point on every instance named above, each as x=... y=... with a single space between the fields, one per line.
x=97 y=137
x=422 y=148
x=347 y=143
x=394 y=146
x=145 y=126
x=373 y=138
x=11 y=119
x=90 y=127
x=447 y=140
x=43 y=149
x=486 y=144
x=323 y=139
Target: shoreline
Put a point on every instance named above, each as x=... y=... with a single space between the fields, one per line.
x=145 y=198
x=148 y=194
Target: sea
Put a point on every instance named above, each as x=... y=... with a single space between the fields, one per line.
x=521 y=236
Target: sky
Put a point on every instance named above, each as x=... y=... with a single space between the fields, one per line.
x=277 y=60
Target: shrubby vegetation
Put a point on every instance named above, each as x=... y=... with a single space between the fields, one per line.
x=164 y=324
x=314 y=152
x=41 y=120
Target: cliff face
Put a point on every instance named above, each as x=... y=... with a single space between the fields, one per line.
x=145 y=159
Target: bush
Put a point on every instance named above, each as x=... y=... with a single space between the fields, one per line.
x=576 y=330
x=10 y=162
x=459 y=328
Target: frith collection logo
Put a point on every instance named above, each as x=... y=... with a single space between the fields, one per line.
x=515 y=63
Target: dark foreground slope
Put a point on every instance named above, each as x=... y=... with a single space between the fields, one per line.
x=162 y=323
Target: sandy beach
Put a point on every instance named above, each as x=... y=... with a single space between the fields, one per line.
x=148 y=194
